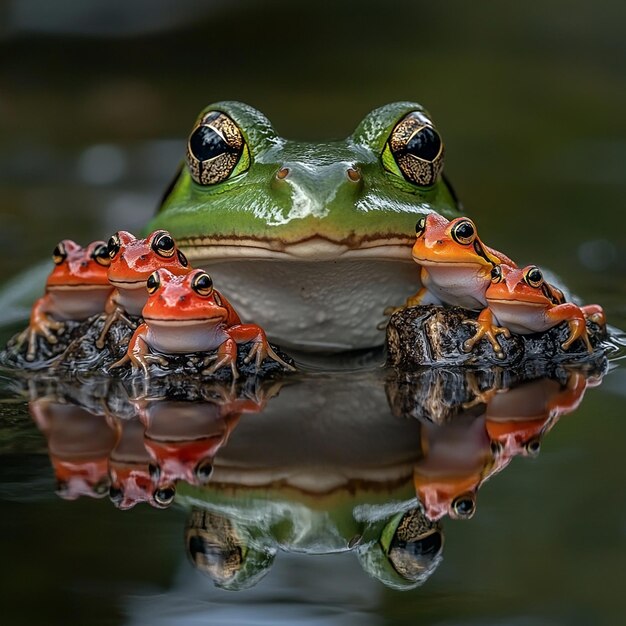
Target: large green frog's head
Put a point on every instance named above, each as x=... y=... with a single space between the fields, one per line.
x=245 y=192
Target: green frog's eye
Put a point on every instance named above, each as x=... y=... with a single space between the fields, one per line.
x=113 y=247
x=101 y=255
x=163 y=244
x=496 y=274
x=417 y=149
x=463 y=506
x=164 y=496
x=202 y=284
x=464 y=232
x=153 y=282
x=214 y=148
x=420 y=227
x=533 y=277
x=59 y=254
x=532 y=446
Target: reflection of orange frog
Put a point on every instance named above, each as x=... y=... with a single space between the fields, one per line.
x=186 y=314
x=76 y=289
x=183 y=437
x=518 y=418
x=79 y=444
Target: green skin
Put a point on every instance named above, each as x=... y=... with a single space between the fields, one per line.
x=297 y=254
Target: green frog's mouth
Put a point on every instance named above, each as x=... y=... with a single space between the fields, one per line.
x=314 y=248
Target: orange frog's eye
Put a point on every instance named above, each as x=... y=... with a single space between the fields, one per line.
x=533 y=277
x=203 y=470
x=165 y=495
x=163 y=244
x=532 y=446
x=420 y=227
x=417 y=150
x=59 y=254
x=464 y=506
x=202 y=284
x=153 y=282
x=214 y=148
x=101 y=255
x=114 y=245
x=496 y=274
x=464 y=232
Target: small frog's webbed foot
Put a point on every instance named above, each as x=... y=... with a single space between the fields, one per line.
x=260 y=351
x=486 y=328
x=578 y=330
x=42 y=325
x=117 y=314
x=226 y=355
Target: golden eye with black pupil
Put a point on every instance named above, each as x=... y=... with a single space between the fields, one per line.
x=163 y=245
x=182 y=259
x=496 y=274
x=533 y=277
x=113 y=247
x=417 y=149
x=59 y=254
x=464 y=232
x=101 y=255
x=420 y=227
x=203 y=470
x=153 y=282
x=464 y=506
x=164 y=496
x=214 y=148
x=202 y=284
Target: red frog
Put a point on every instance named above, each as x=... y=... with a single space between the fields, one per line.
x=132 y=261
x=186 y=314
x=76 y=289
x=522 y=301
x=456 y=269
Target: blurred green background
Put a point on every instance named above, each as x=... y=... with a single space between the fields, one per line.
x=97 y=98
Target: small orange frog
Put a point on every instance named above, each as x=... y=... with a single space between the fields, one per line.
x=522 y=301
x=186 y=314
x=76 y=289
x=132 y=260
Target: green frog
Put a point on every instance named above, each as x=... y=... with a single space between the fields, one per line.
x=311 y=240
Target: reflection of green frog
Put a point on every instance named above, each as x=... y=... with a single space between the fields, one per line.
x=311 y=240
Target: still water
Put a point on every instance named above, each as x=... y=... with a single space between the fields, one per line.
x=346 y=494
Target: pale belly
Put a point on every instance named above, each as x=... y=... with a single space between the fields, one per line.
x=329 y=305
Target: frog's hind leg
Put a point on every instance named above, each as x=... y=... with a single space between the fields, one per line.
x=575 y=318
x=594 y=313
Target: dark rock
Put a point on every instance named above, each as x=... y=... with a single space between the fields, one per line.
x=434 y=336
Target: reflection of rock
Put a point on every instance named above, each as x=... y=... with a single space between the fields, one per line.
x=434 y=335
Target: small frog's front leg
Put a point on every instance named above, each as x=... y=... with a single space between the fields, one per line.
x=138 y=353
x=40 y=324
x=575 y=318
x=486 y=328
x=261 y=349
x=112 y=313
